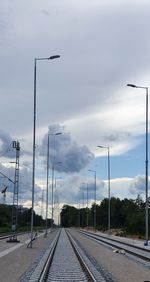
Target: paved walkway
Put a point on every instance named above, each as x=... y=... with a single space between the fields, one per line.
x=15 y=258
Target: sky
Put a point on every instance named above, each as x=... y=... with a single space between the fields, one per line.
x=103 y=45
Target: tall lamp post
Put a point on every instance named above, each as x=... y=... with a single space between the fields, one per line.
x=53 y=169
x=94 y=197
x=146 y=161
x=47 y=182
x=82 y=199
x=34 y=131
x=56 y=200
x=87 y=213
x=106 y=147
x=81 y=223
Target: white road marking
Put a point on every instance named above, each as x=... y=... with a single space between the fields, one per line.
x=18 y=245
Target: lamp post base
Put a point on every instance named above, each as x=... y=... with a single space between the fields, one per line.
x=13 y=239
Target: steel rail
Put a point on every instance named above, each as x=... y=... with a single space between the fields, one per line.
x=49 y=261
x=106 y=241
x=7 y=235
x=81 y=260
x=43 y=269
x=64 y=274
x=115 y=240
x=40 y=272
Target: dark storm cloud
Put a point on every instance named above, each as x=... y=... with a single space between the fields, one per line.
x=63 y=149
x=9 y=173
x=25 y=186
x=76 y=158
x=103 y=45
x=25 y=189
x=6 y=149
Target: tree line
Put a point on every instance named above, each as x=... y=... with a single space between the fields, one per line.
x=23 y=219
x=126 y=215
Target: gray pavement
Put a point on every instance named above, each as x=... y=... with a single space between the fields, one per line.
x=16 y=258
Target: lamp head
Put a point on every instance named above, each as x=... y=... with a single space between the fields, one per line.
x=131 y=85
x=54 y=57
x=92 y=170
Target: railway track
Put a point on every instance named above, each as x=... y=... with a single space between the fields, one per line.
x=65 y=261
x=8 y=235
x=121 y=247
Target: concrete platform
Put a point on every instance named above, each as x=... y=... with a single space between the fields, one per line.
x=15 y=258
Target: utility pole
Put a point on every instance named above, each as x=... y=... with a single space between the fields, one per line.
x=87 y=212
x=13 y=237
x=42 y=200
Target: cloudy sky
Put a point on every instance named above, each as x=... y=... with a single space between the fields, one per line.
x=103 y=46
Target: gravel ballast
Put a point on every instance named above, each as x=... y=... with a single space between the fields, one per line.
x=121 y=268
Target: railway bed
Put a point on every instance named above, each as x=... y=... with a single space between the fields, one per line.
x=124 y=247
x=98 y=257
x=65 y=261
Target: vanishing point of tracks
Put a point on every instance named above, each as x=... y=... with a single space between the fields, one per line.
x=65 y=261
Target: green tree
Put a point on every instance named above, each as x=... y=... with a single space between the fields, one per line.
x=69 y=216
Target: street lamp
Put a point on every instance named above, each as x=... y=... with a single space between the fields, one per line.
x=82 y=202
x=55 y=134
x=56 y=196
x=87 y=214
x=106 y=147
x=34 y=131
x=146 y=161
x=95 y=198
x=53 y=168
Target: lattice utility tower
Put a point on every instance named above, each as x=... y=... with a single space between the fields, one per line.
x=13 y=237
